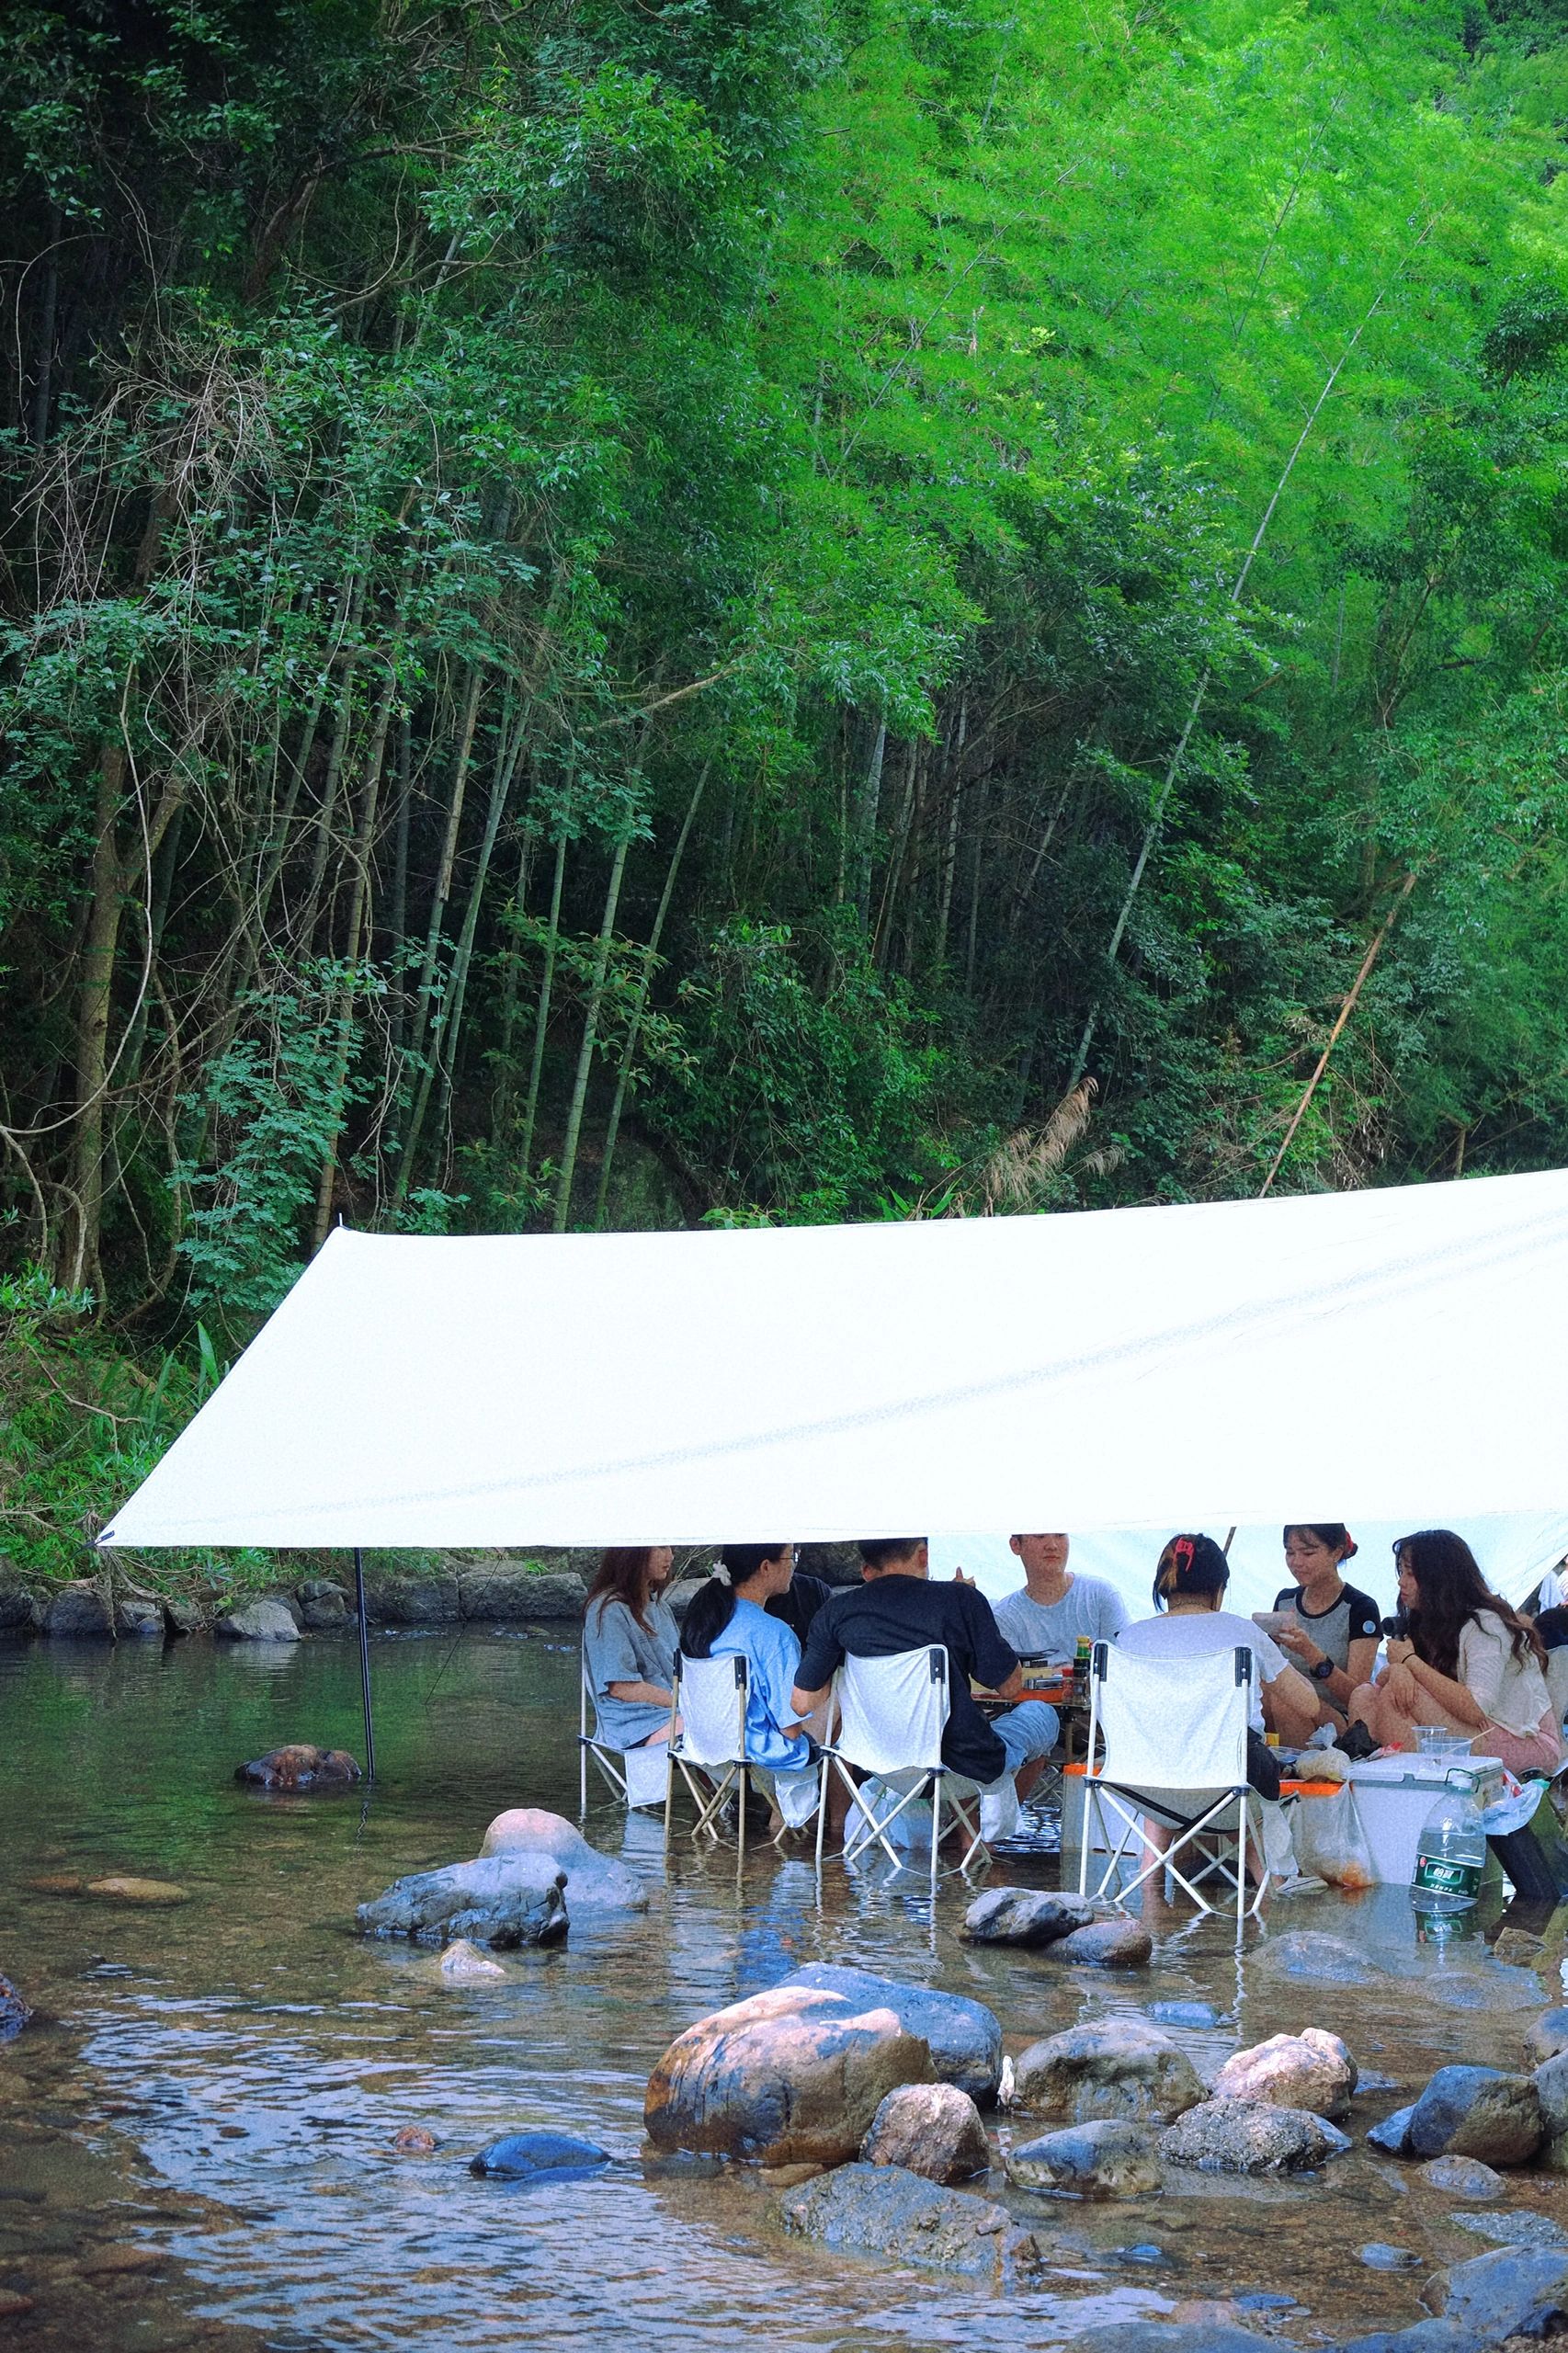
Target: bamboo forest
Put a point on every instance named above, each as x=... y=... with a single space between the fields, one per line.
x=638 y=612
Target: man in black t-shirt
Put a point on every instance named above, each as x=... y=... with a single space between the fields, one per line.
x=895 y=1608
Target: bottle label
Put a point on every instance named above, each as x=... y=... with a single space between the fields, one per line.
x=1439 y=1875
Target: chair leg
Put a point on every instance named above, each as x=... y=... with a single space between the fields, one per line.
x=669 y=1794
x=822 y=1813
x=936 y=1829
x=743 y=1791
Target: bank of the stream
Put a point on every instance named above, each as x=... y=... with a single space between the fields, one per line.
x=218 y=2084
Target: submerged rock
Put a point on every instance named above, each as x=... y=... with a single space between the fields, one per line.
x=14 y=2011
x=1478 y=2112
x=593 y=1882
x=257 y=1622
x=79 y=1611
x=1107 y=1944
x=1171 y=2337
x=1251 y=2136
x=462 y=1963
x=884 y=2211
x=299 y=1766
x=1307 y=2070
x=1318 y=1959
x=1378 y=2255
x=414 y=2140
x=500 y=1900
x=933 y=2130
x=1024 y=1916
x=1119 y=2069
x=536 y=2156
x=964 y=2037
x=1099 y=2160
x=1462 y=2177
x=792 y=2076
x=122 y=1890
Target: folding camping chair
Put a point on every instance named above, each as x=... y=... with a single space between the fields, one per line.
x=638 y=1777
x=710 y=1697
x=891 y=1715
x=1174 y=1734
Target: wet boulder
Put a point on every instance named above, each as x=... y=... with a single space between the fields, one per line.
x=1512 y=2291
x=1251 y=2136
x=1392 y=2137
x=1107 y=1944
x=322 y=1606
x=1546 y=2038
x=181 y=1617
x=593 y=1882
x=898 y=2217
x=929 y=2129
x=1099 y=2160
x=14 y=2011
x=539 y=2157
x=1307 y=2070
x=257 y=1622
x=413 y=1601
x=80 y=1613
x=299 y=1766
x=792 y=2076
x=138 y=1617
x=501 y=1592
x=1121 y=2069
x=1024 y=1916
x=1479 y=2112
x=20 y=1611
x=502 y=1901
x=964 y=2037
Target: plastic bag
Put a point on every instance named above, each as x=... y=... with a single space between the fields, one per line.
x=1330 y=1842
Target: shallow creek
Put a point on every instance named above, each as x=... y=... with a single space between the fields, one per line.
x=195 y=2137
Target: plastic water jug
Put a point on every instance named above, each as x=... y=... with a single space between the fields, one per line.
x=1450 y=1855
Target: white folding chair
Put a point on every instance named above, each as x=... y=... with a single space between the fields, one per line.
x=892 y=1712
x=1175 y=1752
x=638 y=1777
x=710 y=1751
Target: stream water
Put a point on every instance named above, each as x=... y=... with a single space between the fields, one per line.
x=196 y=2136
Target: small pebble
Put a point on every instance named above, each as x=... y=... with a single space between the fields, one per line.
x=414 y=2140
x=1147 y=2252
x=12 y=2304
x=1259 y=2301
x=1462 y=2177
x=109 y=2260
x=1379 y=2256
x=1185 y=2013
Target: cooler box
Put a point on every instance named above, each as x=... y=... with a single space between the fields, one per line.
x=1395 y=1794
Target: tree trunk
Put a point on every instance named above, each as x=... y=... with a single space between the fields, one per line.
x=866 y=807
x=590 y=1035
x=546 y=987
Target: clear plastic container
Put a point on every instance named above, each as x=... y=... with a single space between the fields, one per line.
x=1442 y=1740
x=1450 y=1855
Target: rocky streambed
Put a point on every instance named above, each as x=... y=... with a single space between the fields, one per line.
x=272 y=2122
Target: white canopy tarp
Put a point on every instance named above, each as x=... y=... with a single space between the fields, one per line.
x=1382 y=1354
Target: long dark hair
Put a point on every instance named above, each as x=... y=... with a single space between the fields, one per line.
x=1452 y=1591
x=1332 y=1532
x=1191 y=1567
x=622 y=1577
x=713 y=1604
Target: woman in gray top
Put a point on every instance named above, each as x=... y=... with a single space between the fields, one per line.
x=629 y=1638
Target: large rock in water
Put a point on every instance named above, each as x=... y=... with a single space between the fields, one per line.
x=964 y=2037
x=500 y=1900
x=413 y=1601
x=1100 y=2160
x=1107 y=1944
x=1307 y=2070
x=593 y=1882
x=1119 y=2069
x=1251 y=2136
x=793 y=2076
x=1478 y=2112
x=299 y=1766
x=929 y=2129
x=507 y=1593
x=1552 y=2090
x=882 y=2211
x=258 y=1621
x=1547 y=2036
x=138 y=1617
x=1025 y=1915
x=539 y=2157
x=80 y=1612
x=14 y=2011
x=20 y=1611
x=1511 y=2293
x=323 y=1605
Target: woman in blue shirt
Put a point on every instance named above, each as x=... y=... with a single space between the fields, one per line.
x=727 y=1618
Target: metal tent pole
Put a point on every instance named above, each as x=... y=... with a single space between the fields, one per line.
x=364 y=1664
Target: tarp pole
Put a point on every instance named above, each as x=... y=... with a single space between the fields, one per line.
x=364 y=1663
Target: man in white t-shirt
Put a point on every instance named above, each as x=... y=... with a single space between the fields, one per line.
x=1055 y=1606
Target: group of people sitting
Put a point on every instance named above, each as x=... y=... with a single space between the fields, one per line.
x=1455 y=1654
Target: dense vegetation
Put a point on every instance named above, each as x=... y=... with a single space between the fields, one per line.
x=634 y=609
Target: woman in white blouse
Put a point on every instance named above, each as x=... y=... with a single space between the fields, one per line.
x=1470 y=1662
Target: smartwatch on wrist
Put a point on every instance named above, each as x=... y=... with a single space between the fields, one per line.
x=1321 y=1671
